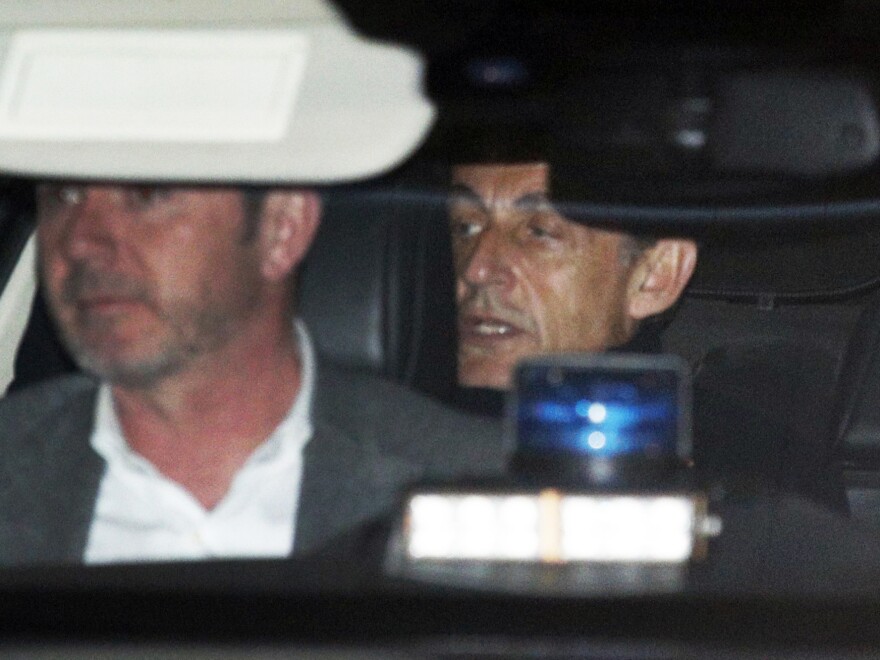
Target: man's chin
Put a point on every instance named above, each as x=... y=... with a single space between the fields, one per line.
x=485 y=374
x=128 y=371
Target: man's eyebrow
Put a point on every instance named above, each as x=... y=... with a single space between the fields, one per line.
x=462 y=193
x=530 y=201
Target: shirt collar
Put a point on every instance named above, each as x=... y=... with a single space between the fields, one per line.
x=286 y=441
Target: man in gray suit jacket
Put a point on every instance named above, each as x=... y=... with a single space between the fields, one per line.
x=208 y=431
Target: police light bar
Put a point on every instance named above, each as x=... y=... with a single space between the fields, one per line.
x=553 y=527
x=198 y=91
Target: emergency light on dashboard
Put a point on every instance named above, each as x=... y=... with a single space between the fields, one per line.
x=556 y=527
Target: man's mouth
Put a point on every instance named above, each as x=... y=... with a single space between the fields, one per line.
x=87 y=288
x=103 y=300
x=486 y=328
x=492 y=328
x=106 y=304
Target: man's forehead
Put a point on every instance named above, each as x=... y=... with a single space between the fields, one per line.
x=520 y=171
x=501 y=183
x=520 y=185
x=169 y=187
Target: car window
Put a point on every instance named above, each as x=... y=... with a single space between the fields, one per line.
x=562 y=231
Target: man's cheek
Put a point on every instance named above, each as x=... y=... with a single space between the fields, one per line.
x=550 y=306
x=548 y=319
x=573 y=322
x=53 y=281
x=461 y=290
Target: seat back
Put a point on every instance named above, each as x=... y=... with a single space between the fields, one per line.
x=857 y=415
x=377 y=289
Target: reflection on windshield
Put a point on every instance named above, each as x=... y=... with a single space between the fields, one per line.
x=461 y=377
x=111 y=321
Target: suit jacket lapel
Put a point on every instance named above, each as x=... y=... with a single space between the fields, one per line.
x=345 y=485
x=362 y=454
x=346 y=480
x=61 y=475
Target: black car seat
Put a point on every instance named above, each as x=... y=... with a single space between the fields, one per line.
x=376 y=292
x=377 y=288
x=761 y=419
x=765 y=325
x=856 y=427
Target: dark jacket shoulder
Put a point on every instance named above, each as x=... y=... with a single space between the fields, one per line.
x=408 y=425
x=761 y=421
x=55 y=406
x=49 y=476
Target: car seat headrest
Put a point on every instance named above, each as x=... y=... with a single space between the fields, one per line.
x=377 y=288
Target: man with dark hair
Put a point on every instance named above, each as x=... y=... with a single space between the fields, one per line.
x=206 y=427
x=530 y=280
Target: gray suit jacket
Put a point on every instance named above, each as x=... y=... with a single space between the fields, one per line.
x=371 y=438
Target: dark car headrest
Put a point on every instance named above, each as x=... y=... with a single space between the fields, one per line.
x=377 y=289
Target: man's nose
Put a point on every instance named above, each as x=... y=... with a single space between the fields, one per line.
x=489 y=262
x=92 y=225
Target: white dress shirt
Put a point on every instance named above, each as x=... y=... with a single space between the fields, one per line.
x=141 y=515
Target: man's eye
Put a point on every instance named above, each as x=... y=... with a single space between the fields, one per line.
x=542 y=230
x=148 y=195
x=67 y=195
x=52 y=196
x=462 y=229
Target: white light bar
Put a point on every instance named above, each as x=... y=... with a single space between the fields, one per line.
x=629 y=529
x=474 y=527
x=552 y=527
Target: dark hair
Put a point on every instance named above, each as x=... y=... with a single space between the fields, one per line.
x=500 y=143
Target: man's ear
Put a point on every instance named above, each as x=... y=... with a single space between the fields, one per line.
x=660 y=275
x=289 y=222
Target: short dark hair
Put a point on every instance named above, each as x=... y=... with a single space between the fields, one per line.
x=633 y=245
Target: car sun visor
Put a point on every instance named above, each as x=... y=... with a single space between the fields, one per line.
x=256 y=91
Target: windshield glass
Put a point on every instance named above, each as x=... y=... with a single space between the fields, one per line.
x=533 y=305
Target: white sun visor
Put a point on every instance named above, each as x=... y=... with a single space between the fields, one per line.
x=267 y=99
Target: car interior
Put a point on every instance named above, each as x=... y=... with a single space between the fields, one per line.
x=781 y=311
x=698 y=126
x=785 y=322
